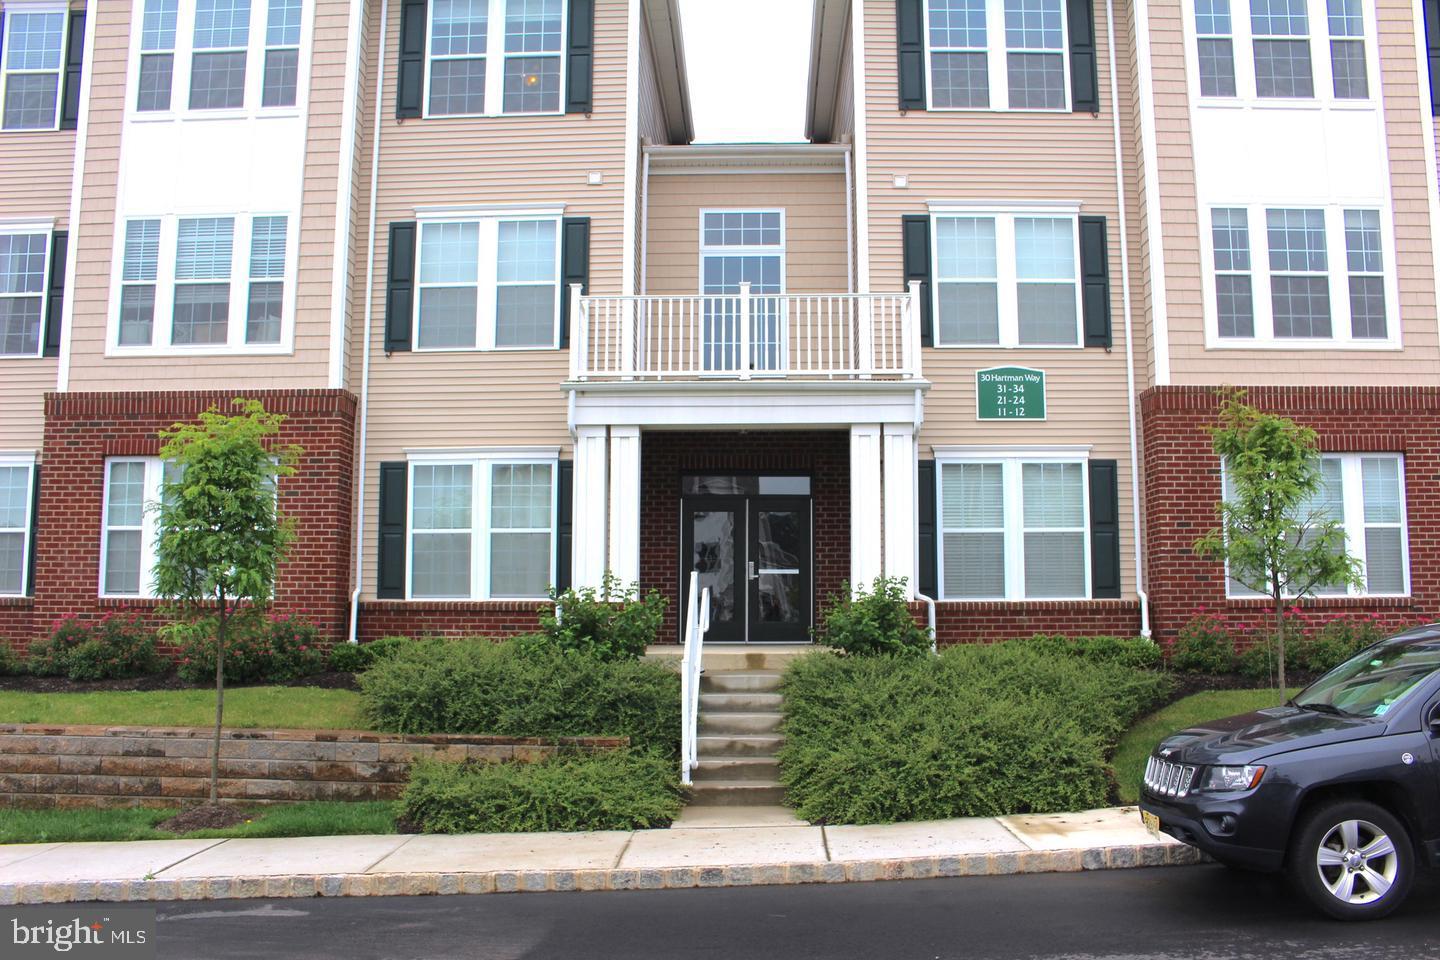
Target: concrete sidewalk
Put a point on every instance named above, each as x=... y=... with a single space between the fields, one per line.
x=703 y=850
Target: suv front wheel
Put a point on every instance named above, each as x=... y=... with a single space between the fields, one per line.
x=1352 y=859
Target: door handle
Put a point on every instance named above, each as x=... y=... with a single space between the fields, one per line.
x=750 y=573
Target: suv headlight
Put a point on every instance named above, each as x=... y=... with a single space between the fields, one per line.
x=1233 y=778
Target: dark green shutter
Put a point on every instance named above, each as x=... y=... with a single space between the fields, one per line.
x=410 y=86
x=1084 y=64
x=55 y=300
x=34 y=531
x=928 y=577
x=1432 y=51
x=574 y=267
x=564 y=523
x=390 y=569
x=400 y=286
x=74 y=63
x=580 y=57
x=1104 y=530
x=1095 y=282
x=910 y=29
x=916 y=239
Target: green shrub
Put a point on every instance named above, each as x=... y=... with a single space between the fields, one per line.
x=613 y=790
x=1333 y=644
x=259 y=648
x=612 y=623
x=521 y=688
x=114 y=646
x=1140 y=653
x=1257 y=662
x=1203 y=646
x=11 y=663
x=873 y=622
x=359 y=657
x=981 y=730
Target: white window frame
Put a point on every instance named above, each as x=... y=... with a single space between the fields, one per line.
x=996 y=63
x=481 y=463
x=149 y=526
x=487 y=275
x=24 y=6
x=1321 y=66
x=1012 y=461
x=1353 y=498
x=33 y=228
x=27 y=462
x=764 y=250
x=495 y=58
x=160 y=334
x=1338 y=273
x=1007 y=281
x=184 y=54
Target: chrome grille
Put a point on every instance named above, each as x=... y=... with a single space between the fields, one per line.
x=1166 y=779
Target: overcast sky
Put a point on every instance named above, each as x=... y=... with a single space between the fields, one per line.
x=746 y=86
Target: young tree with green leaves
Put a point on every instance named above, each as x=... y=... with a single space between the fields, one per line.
x=221 y=533
x=1275 y=532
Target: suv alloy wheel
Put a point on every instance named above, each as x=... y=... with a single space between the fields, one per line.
x=1353 y=859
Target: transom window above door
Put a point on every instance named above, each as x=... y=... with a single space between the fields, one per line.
x=997 y=55
x=494 y=57
x=1283 y=49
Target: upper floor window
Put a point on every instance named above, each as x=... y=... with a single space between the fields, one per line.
x=488 y=283
x=33 y=49
x=742 y=246
x=24 y=259
x=492 y=57
x=217 y=54
x=207 y=283
x=17 y=507
x=1278 y=49
x=1300 y=276
x=997 y=54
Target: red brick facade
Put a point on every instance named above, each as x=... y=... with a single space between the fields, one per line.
x=82 y=430
x=448 y=618
x=1182 y=486
x=987 y=622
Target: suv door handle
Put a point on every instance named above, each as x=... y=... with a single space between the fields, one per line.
x=750 y=573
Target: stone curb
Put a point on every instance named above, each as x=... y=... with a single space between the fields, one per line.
x=537 y=881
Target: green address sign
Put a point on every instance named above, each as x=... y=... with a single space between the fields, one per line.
x=1010 y=393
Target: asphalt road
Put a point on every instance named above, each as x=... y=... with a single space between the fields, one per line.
x=1195 y=913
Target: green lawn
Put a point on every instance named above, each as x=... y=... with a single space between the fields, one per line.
x=316 y=819
x=1135 y=746
x=282 y=707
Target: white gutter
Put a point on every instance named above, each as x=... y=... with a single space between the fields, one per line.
x=1129 y=334
x=344 y=202
x=77 y=182
x=862 y=168
x=632 y=152
x=365 y=351
x=1154 y=226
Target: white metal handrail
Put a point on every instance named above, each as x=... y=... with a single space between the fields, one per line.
x=697 y=622
x=746 y=336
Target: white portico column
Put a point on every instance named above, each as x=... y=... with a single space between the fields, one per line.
x=588 y=544
x=900 y=515
x=625 y=503
x=865 y=505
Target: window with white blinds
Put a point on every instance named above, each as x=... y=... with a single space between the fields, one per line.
x=17 y=484
x=1365 y=493
x=1014 y=529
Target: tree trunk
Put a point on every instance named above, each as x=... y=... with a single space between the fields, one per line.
x=1280 y=643
x=219 y=701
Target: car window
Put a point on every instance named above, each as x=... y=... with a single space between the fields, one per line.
x=1369 y=684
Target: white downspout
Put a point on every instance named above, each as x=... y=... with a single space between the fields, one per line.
x=644 y=222
x=365 y=350
x=849 y=222
x=1129 y=334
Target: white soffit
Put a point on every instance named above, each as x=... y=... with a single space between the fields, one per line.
x=828 y=30
x=667 y=50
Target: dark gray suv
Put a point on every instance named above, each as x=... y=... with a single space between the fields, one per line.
x=1340 y=787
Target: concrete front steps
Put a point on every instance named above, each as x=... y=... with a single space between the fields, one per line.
x=739 y=736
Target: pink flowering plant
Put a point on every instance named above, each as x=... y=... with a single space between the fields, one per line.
x=261 y=647
x=116 y=645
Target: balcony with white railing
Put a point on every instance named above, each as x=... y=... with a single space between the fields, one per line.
x=745 y=336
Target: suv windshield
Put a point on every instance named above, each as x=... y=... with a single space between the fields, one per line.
x=1368 y=684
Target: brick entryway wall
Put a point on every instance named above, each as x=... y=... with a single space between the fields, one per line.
x=1182 y=486
x=666 y=456
x=83 y=429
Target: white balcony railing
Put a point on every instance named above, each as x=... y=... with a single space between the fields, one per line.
x=746 y=336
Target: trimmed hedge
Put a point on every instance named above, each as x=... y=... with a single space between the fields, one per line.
x=1141 y=653
x=526 y=687
x=977 y=731
x=613 y=790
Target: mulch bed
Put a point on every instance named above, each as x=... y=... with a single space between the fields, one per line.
x=329 y=680
x=1188 y=684
x=205 y=817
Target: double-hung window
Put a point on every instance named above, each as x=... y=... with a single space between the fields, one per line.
x=1006 y=279
x=482 y=527
x=32 y=57
x=493 y=57
x=742 y=246
x=1278 y=49
x=24 y=257
x=127 y=549
x=203 y=283
x=1278 y=277
x=488 y=283
x=1014 y=528
x=17 y=509
x=997 y=54
x=1365 y=494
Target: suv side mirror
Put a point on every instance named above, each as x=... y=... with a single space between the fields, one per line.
x=1433 y=720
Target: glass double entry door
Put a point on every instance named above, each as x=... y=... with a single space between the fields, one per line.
x=754 y=553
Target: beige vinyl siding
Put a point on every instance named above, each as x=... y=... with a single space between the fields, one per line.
x=308 y=366
x=36 y=167
x=845 y=96
x=1186 y=243
x=652 y=115
x=814 y=205
x=994 y=156
x=23 y=385
x=504 y=398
